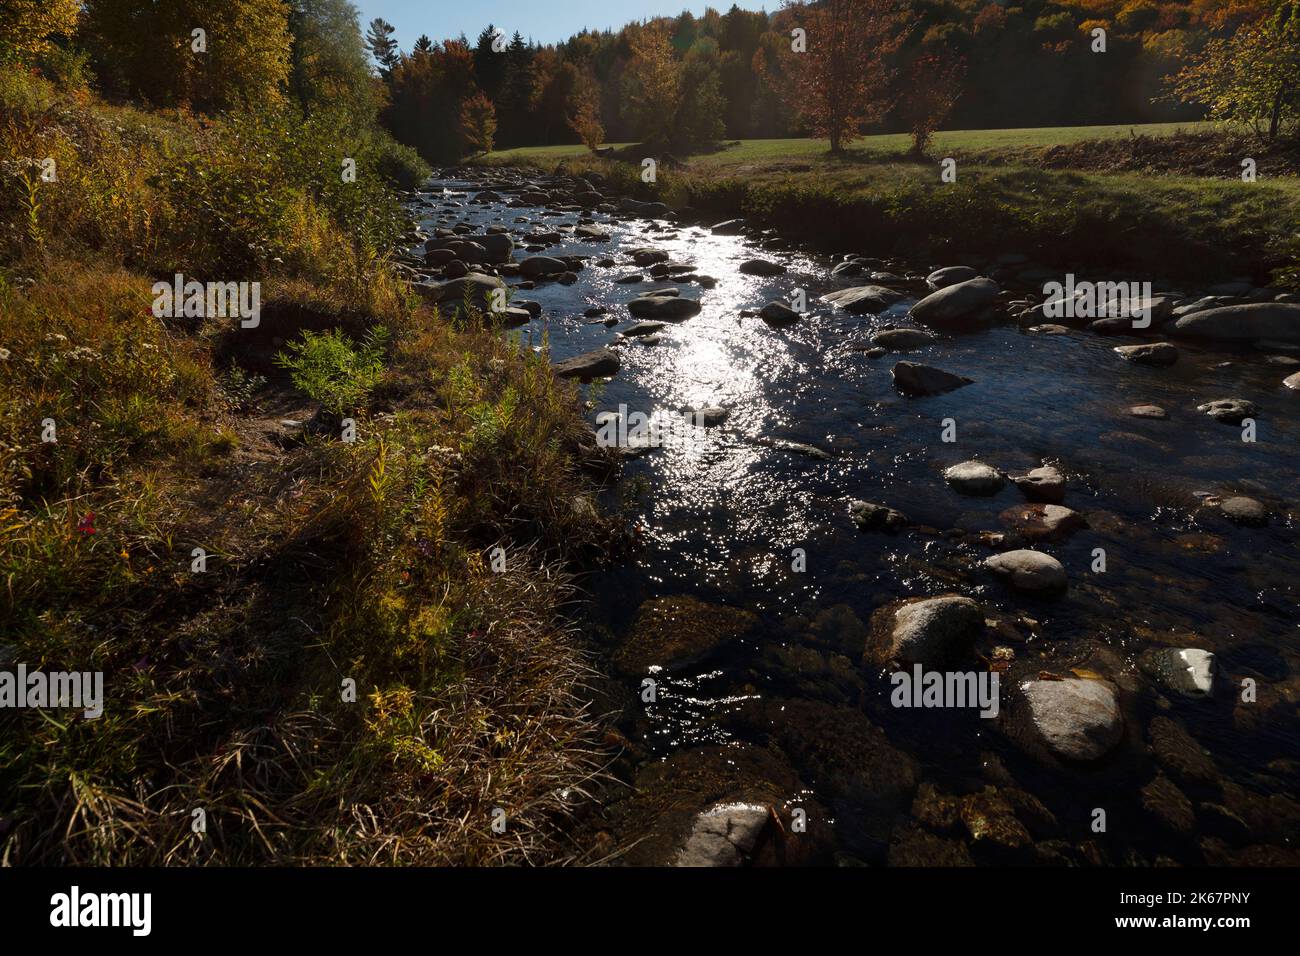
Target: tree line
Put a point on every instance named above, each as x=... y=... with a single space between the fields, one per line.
x=881 y=65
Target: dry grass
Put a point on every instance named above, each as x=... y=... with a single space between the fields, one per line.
x=328 y=562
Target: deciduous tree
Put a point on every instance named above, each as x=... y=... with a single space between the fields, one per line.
x=841 y=82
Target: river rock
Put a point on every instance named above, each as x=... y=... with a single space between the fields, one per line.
x=1042 y=484
x=1075 y=719
x=670 y=308
x=646 y=256
x=950 y=275
x=974 y=478
x=761 y=267
x=500 y=247
x=1230 y=411
x=913 y=378
x=873 y=517
x=1149 y=353
x=1243 y=323
x=871 y=299
x=707 y=416
x=1188 y=671
x=596 y=364
x=732 y=227
x=1244 y=511
x=643 y=328
x=923 y=630
x=902 y=340
x=724 y=835
x=1148 y=411
x=956 y=304
x=778 y=314
x=1043 y=522
x=1030 y=571
x=535 y=267
x=675 y=631
x=1292 y=381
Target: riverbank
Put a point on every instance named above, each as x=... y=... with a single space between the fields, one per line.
x=1018 y=194
x=331 y=605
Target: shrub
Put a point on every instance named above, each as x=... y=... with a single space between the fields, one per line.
x=329 y=368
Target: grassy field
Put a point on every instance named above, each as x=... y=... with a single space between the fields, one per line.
x=1113 y=197
x=739 y=152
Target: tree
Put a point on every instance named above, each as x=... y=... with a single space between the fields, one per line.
x=478 y=123
x=489 y=65
x=423 y=44
x=585 y=120
x=651 y=86
x=329 y=67
x=840 y=82
x=149 y=50
x=932 y=90
x=27 y=26
x=701 y=107
x=382 y=46
x=1253 y=76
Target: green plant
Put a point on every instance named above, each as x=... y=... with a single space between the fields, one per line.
x=326 y=366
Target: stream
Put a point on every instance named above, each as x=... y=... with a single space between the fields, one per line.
x=790 y=714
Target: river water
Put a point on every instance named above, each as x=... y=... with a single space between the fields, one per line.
x=723 y=511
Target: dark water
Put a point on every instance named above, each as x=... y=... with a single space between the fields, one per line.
x=723 y=512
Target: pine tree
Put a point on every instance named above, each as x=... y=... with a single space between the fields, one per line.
x=382 y=46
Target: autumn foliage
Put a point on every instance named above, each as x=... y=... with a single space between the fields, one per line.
x=840 y=78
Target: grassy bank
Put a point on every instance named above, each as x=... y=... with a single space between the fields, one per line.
x=330 y=565
x=1028 y=191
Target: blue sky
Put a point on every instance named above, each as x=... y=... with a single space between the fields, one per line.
x=546 y=21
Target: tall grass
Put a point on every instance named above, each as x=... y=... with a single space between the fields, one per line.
x=344 y=678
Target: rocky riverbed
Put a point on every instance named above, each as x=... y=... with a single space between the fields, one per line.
x=867 y=465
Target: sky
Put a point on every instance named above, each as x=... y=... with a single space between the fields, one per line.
x=546 y=21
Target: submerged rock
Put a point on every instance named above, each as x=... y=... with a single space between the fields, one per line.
x=1075 y=719
x=1148 y=411
x=924 y=630
x=912 y=378
x=675 y=631
x=873 y=517
x=1043 y=522
x=1149 y=353
x=1244 y=511
x=725 y=835
x=902 y=340
x=1188 y=671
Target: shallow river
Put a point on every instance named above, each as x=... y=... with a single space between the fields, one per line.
x=723 y=512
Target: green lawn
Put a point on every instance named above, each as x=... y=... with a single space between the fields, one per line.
x=874 y=147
